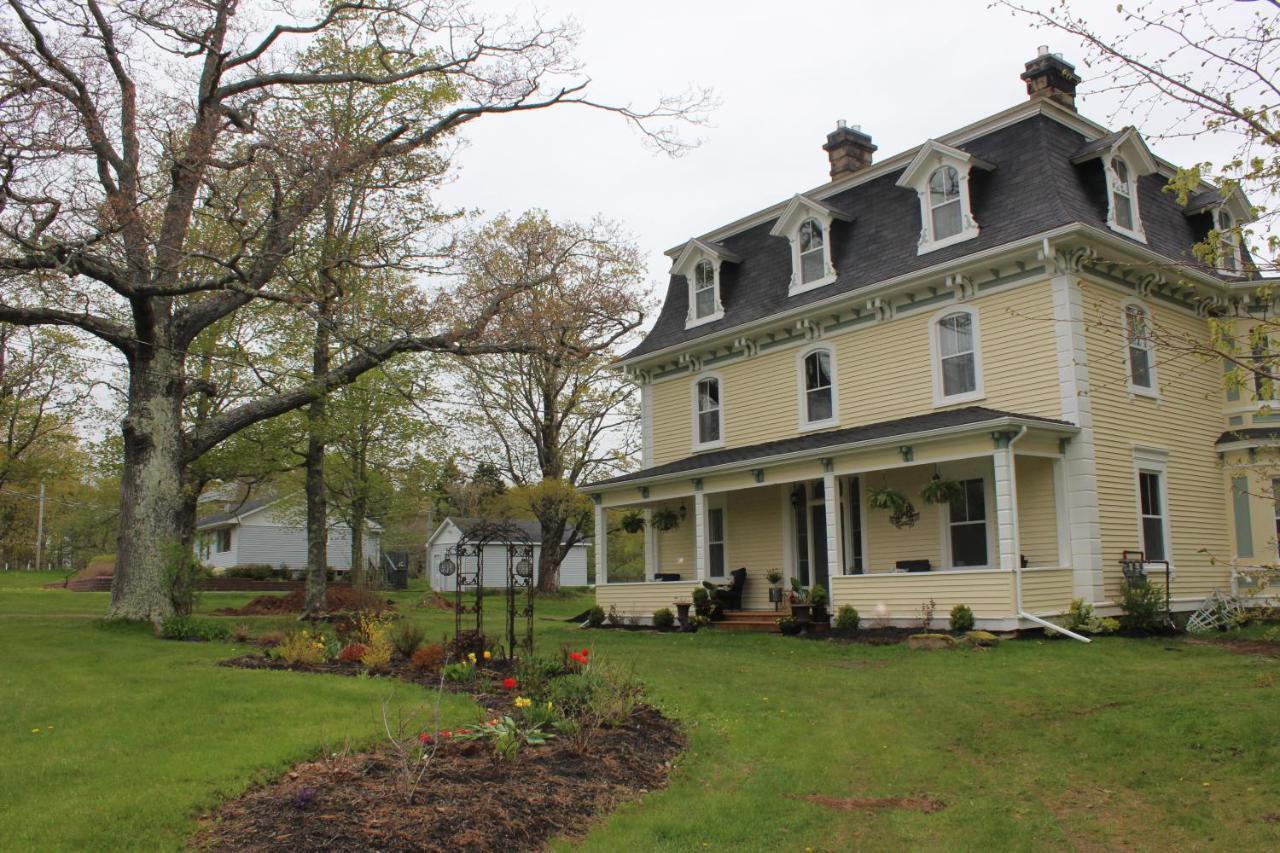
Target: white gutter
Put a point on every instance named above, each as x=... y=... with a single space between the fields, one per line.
x=1017 y=566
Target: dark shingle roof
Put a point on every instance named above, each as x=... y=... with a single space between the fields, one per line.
x=531 y=529
x=953 y=418
x=1248 y=434
x=236 y=511
x=1033 y=188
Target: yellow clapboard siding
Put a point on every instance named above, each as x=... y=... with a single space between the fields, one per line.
x=1046 y=591
x=989 y=594
x=642 y=599
x=1037 y=514
x=1186 y=420
x=883 y=371
x=756 y=535
x=675 y=547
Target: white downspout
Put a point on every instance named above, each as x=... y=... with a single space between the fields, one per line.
x=1017 y=565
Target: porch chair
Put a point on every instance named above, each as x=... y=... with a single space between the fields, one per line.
x=729 y=596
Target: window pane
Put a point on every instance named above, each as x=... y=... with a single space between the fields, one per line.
x=811 y=265
x=706 y=303
x=817 y=371
x=1122 y=209
x=969 y=544
x=944 y=185
x=708 y=427
x=715 y=525
x=971 y=505
x=1150 y=493
x=1140 y=367
x=810 y=235
x=946 y=220
x=708 y=395
x=1153 y=538
x=955 y=334
x=704 y=275
x=958 y=375
x=819 y=404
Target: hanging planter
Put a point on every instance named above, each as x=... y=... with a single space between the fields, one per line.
x=632 y=522
x=664 y=519
x=902 y=513
x=940 y=491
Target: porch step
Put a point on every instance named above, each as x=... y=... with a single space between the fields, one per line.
x=749 y=620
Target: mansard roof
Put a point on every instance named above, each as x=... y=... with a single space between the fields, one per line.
x=1033 y=188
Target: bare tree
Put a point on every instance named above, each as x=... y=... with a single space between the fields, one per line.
x=149 y=189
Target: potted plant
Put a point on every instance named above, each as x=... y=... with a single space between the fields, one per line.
x=775 y=590
x=940 y=491
x=902 y=513
x=818 y=603
x=789 y=627
x=664 y=519
x=632 y=522
x=801 y=608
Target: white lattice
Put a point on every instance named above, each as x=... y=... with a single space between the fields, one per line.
x=1218 y=613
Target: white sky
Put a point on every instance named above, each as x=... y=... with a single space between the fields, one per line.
x=904 y=71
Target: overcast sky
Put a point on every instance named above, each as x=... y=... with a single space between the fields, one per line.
x=784 y=73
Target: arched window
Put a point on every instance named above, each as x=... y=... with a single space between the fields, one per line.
x=1121 y=195
x=708 y=428
x=945 y=214
x=957 y=357
x=819 y=390
x=812 y=258
x=704 y=289
x=1141 y=351
x=1228 y=243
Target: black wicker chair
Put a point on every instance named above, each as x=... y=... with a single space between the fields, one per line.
x=729 y=596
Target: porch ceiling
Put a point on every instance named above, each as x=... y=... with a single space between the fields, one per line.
x=919 y=427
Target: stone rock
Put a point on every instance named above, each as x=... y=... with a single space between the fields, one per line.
x=931 y=641
x=981 y=638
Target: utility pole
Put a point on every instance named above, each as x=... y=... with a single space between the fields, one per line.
x=40 y=527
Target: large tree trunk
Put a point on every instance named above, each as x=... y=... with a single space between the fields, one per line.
x=552 y=554
x=317 y=508
x=359 y=513
x=151 y=499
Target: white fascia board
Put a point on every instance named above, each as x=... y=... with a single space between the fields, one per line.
x=931 y=150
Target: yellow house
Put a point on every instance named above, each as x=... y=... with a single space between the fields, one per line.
x=986 y=311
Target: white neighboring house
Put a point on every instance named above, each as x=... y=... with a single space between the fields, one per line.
x=260 y=532
x=573 y=571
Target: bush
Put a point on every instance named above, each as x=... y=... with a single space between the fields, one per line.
x=818 y=596
x=595 y=617
x=701 y=602
x=377 y=656
x=407 y=637
x=429 y=657
x=187 y=628
x=961 y=618
x=352 y=652
x=253 y=571
x=302 y=647
x=847 y=618
x=1080 y=617
x=664 y=619
x=1143 y=605
x=461 y=671
x=182 y=573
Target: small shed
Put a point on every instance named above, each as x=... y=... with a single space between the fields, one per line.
x=573 y=571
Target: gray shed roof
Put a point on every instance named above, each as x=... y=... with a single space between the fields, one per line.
x=531 y=529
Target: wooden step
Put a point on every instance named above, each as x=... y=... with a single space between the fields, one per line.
x=749 y=620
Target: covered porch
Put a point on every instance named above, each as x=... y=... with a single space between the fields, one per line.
x=1000 y=545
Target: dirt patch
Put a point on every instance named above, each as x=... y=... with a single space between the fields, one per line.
x=1242 y=647
x=468 y=801
x=926 y=805
x=336 y=598
x=436 y=601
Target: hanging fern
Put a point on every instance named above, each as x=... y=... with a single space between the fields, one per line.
x=940 y=491
x=888 y=499
x=632 y=522
x=664 y=519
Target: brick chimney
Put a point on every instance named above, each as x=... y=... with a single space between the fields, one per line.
x=1050 y=76
x=849 y=150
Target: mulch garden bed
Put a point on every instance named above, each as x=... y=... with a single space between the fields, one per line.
x=336 y=599
x=399 y=668
x=469 y=800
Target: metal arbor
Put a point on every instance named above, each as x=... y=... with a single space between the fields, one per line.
x=504 y=543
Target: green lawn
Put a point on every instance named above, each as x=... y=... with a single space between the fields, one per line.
x=1034 y=745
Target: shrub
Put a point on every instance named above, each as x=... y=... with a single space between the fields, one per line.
x=460 y=671
x=847 y=618
x=429 y=657
x=377 y=656
x=1143 y=605
x=701 y=602
x=407 y=637
x=595 y=617
x=961 y=618
x=252 y=571
x=1080 y=617
x=302 y=647
x=186 y=628
x=818 y=596
x=271 y=638
x=182 y=573
x=242 y=633
x=352 y=652
x=664 y=619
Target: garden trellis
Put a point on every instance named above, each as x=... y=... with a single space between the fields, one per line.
x=465 y=561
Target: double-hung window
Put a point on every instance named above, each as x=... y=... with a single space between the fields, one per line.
x=1228 y=243
x=957 y=368
x=715 y=542
x=812 y=256
x=1121 y=195
x=1141 y=350
x=709 y=426
x=704 y=290
x=945 y=213
x=1151 y=506
x=818 y=405
x=968 y=524
x=222 y=540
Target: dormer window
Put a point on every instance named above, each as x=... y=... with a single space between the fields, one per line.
x=701 y=262
x=1227 y=210
x=1228 y=243
x=940 y=176
x=813 y=255
x=806 y=224
x=944 y=203
x=1124 y=158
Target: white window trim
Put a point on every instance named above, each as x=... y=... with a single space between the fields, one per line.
x=1230 y=239
x=693 y=400
x=804 y=424
x=971 y=470
x=685 y=262
x=717 y=313
x=935 y=358
x=1153 y=460
x=1139 y=390
x=1110 y=177
x=931 y=157
x=799 y=210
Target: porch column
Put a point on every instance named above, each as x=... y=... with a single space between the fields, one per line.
x=835 y=532
x=602 y=545
x=1006 y=507
x=699 y=536
x=650 y=547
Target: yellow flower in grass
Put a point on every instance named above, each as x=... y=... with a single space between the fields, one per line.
x=549 y=706
x=522 y=702
x=487 y=655
x=471 y=656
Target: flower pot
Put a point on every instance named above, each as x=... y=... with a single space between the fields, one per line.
x=775 y=596
x=801 y=612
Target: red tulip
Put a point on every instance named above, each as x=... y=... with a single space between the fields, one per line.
x=509 y=683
